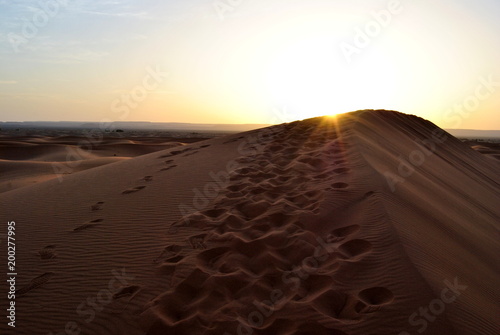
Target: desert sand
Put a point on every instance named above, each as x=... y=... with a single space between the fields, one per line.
x=489 y=149
x=26 y=160
x=370 y=223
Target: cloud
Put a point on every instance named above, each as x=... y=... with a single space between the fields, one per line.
x=138 y=15
x=46 y=49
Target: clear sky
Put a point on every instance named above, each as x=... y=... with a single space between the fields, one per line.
x=249 y=61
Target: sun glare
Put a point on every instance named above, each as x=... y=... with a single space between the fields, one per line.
x=310 y=80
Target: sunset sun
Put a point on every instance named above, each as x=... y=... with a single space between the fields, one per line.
x=309 y=79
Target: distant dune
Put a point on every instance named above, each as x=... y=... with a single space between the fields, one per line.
x=26 y=160
x=470 y=133
x=132 y=125
x=374 y=222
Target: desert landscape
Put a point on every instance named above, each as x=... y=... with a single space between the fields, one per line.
x=264 y=167
x=370 y=222
x=29 y=159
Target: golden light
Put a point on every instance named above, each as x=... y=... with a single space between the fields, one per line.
x=312 y=79
x=332 y=116
x=298 y=66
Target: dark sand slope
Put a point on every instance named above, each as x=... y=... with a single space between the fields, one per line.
x=374 y=223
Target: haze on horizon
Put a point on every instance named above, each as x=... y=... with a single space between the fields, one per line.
x=242 y=61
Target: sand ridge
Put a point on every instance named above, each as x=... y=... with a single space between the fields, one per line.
x=267 y=243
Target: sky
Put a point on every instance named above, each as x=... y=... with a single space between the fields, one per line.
x=249 y=61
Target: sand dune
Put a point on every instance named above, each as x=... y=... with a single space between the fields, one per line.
x=489 y=149
x=374 y=222
x=26 y=160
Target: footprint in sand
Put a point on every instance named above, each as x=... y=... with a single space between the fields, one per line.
x=341 y=233
x=323 y=176
x=198 y=241
x=190 y=154
x=340 y=305
x=133 y=190
x=215 y=212
x=372 y=299
x=368 y=194
x=339 y=186
x=169 y=252
x=174 y=260
x=244 y=160
x=48 y=252
x=238 y=187
x=341 y=170
x=332 y=303
x=168 y=168
x=353 y=249
x=87 y=225
x=34 y=283
x=174 y=153
x=313 y=194
x=147 y=178
x=178 y=152
x=276 y=147
x=212 y=259
x=174 y=228
x=97 y=206
x=126 y=291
